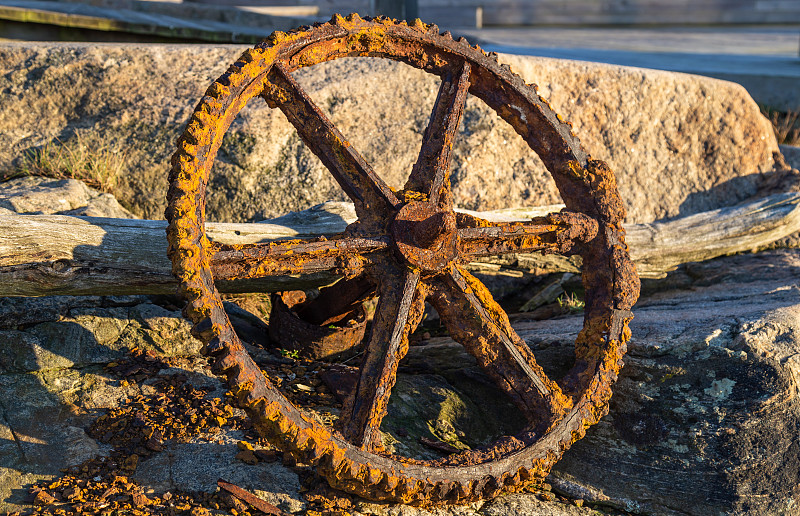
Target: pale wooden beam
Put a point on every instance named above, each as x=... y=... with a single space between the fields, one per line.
x=56 y=254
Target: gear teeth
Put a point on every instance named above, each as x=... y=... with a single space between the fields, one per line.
x=337 y=19
x=418 y=25
x=225 y=79
x=354 y=17
x=243 y=380
x=276 y=37
x=217 y=89
x=303 y=441
x=447 y=34
x=493 y=55
x=190 y=139
x=463 y=492
x=336 y=459
x=463 y=40
x=249 y=55
x=411 y=486
x=433 y=29
x=374 y=476
x=391 y=482
x=487 y=487
x=442 y=490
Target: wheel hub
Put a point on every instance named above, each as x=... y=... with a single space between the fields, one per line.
x=425 y=236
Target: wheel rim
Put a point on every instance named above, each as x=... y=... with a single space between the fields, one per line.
x=415 y=236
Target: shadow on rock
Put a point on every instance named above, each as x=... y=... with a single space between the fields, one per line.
x=53 y=381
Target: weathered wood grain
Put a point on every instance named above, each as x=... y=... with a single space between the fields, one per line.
x=660 y=247
x=56 y=254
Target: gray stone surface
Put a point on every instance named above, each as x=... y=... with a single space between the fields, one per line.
x=196 y=466
x=90 y=335
x=705 y=416
x=523 y=505
x=38 y=195
x=459 y=407
x=52 y=381
x=679 y=144
x=516 y=505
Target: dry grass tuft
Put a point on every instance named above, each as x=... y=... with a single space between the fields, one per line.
x=786 y=125
x=99 y=165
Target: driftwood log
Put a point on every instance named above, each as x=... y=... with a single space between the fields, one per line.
x=66 y=255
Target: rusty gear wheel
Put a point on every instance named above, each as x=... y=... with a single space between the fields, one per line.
x=413 y=246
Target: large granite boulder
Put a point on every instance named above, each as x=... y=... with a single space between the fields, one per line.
x=679 y=143
x=53 y=381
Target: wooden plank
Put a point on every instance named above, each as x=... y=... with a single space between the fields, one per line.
x=56 y=254
x=661 y=246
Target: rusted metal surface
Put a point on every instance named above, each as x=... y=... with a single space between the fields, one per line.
x=341 y=301
x=253 y=500
x=320 y=341
x=411 y=246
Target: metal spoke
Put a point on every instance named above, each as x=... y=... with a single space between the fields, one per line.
x=354 y=175
x=431 y=172
x=347 y=256
x=558 y=232
x=400 y=308
x=478 y=323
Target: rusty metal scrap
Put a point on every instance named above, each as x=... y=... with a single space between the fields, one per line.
x=410 y=245
x=253 y=500
x=294 y=328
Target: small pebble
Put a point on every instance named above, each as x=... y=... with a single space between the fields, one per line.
x=247 y=457
x=304 y=388
x=43 y=498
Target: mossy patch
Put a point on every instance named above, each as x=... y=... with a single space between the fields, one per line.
x=427 y=406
